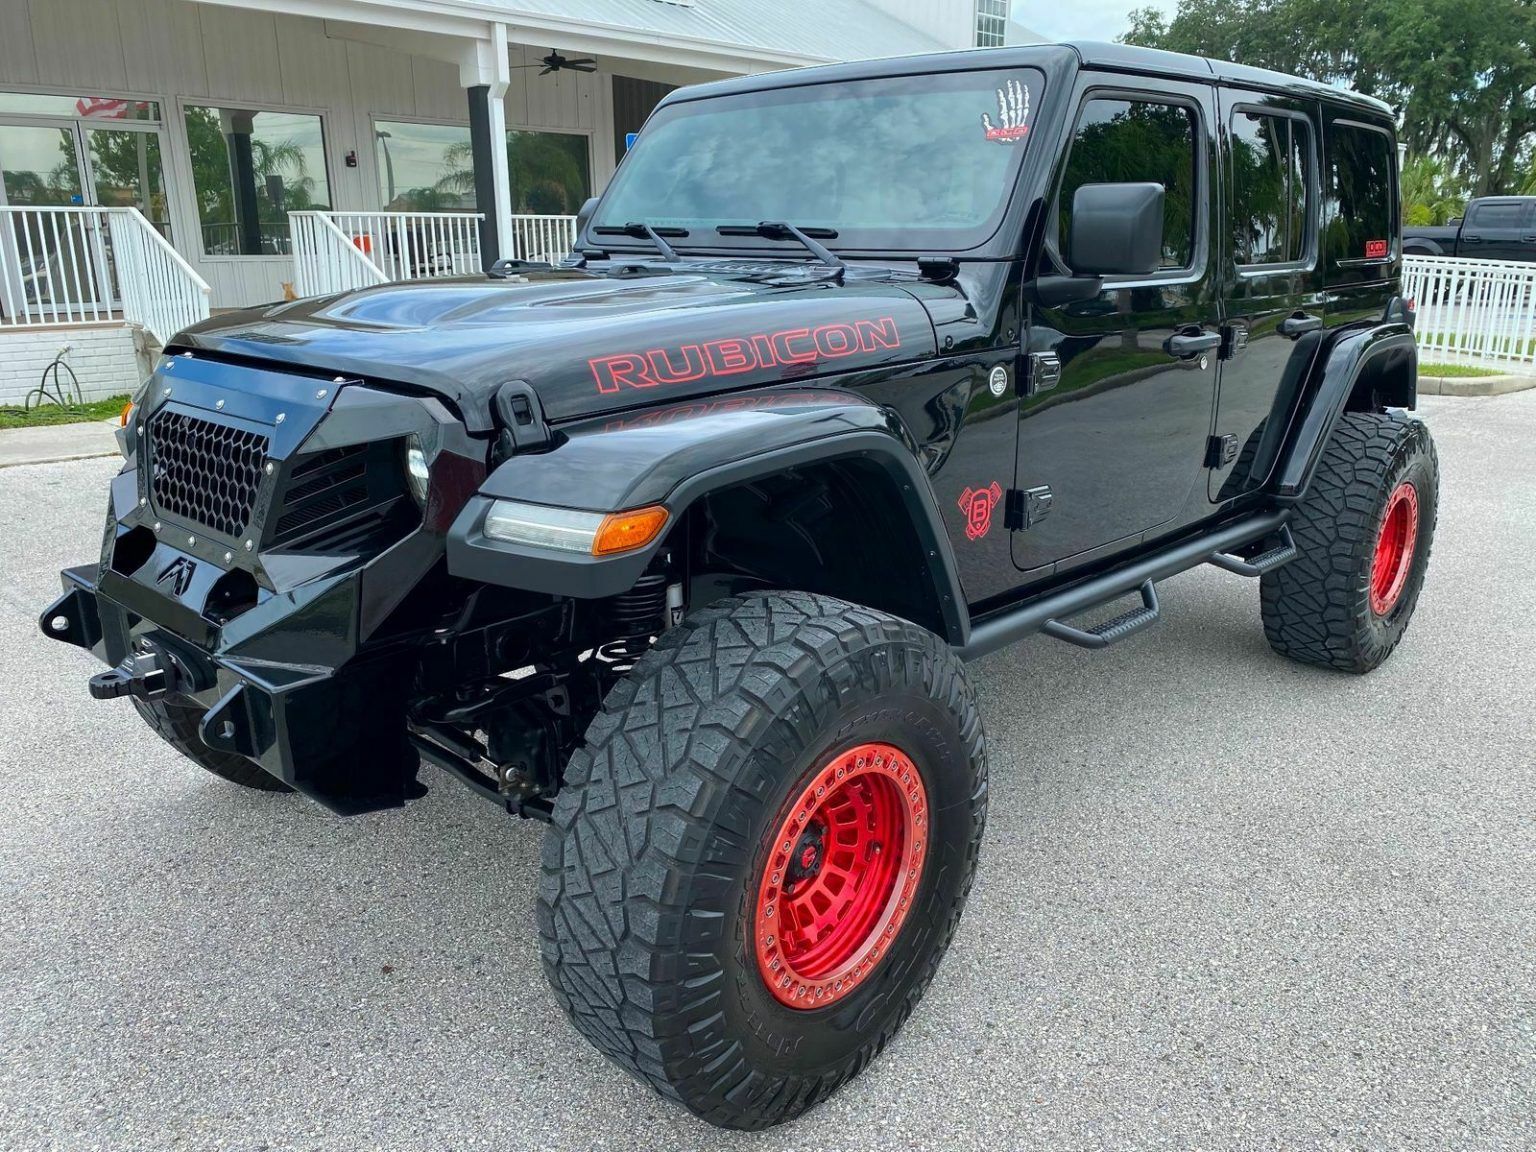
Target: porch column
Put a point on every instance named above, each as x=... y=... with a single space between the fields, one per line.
x=484 y=71
x=237 y=127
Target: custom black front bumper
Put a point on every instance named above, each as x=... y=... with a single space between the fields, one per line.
x=235 y=579
x=336 y=734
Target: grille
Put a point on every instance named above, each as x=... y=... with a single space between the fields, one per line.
x=342 y=499
x=205 y=473
x=321 y=487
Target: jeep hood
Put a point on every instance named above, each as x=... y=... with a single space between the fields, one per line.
x=588 y=344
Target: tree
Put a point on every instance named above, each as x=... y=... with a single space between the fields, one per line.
x=1431 y=194
x=1462 y=75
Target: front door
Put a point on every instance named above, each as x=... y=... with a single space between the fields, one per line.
x=1268 y=252
x=1111 y=453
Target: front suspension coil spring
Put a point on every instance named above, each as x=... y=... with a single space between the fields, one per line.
x=634 y=617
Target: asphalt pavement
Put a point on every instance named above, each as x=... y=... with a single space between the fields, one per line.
x=1225 y=901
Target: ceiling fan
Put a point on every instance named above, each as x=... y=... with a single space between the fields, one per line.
x=555 y=62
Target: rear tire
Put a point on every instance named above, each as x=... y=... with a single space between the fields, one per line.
x=177 y=726
x=764 y=720
x=1364 y=531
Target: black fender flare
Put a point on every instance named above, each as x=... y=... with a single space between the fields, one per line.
x=1422 y=246
x=1341 y=364
x=676 y=455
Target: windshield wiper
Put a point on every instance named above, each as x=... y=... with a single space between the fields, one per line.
x=782 y=230
x=640 y=230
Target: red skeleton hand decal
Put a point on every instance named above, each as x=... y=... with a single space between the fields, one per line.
x=977 y=504
x=1012 y=112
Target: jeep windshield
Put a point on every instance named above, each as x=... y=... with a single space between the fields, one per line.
x=909 y=163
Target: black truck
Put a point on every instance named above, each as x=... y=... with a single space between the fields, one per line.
x=1494 y=228
x=856 y=374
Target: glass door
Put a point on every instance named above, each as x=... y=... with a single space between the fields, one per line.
x=126 y=172
x=45 y=258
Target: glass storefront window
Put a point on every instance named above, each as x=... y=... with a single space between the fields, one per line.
x=250 y=168
x=78 y=107
x=550 y=172
x=424 y=167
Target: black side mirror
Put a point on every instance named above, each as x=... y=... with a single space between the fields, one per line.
x=1117 y=230
x=584 y=214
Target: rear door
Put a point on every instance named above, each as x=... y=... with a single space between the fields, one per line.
x=1498 y=230
x=1268 y=253
x=1111 y=452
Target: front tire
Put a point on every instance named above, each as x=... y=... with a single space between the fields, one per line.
x=177 y=726
x=1364 y=530
x=779 y=759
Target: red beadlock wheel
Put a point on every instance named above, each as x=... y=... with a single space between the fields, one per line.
x=1395 y=542
x=841 y=874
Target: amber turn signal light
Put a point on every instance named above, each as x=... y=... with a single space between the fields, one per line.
x=626 y=531
x=122 y=417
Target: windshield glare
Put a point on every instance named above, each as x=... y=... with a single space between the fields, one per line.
x=908 y=163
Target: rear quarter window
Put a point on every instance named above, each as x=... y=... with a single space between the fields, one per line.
x=1362 y=204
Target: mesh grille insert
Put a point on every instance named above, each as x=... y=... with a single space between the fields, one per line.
x=205 y=473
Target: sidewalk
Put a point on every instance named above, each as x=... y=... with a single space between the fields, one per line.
x=54 y=443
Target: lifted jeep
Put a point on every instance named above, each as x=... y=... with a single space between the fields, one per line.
x=856 y=373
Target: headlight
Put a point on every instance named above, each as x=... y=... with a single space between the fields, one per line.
x=417 y=477
x=572 y=530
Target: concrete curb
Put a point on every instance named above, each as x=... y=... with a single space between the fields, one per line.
x=57 y=443
x=1474 y=385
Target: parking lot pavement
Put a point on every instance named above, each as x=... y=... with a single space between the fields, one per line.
x=1224 y=900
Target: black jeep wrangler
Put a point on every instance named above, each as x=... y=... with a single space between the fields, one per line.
x=856 y=373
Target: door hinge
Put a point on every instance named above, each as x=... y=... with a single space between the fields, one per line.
x=1044 y=373
x=1234 y=339
x=1026 y=507
x=1220 y=451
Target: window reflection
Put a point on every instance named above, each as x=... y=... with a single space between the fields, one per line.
x=1131 y=141
x=250 y=169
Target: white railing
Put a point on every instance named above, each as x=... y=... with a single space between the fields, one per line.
x=326 y=260
x=1473 y=310
x=543 y=237
x=415 y=245
x=340 y=251
x=66 y=265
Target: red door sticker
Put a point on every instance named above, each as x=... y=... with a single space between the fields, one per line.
x=977 y=504
x=1375 y=249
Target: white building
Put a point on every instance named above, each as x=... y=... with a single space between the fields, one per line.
x=162 y=157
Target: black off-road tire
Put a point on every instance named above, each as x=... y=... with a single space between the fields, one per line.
x=664 y=824
x=1318 y=608
x=177 y=726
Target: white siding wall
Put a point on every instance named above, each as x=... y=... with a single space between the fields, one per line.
x=175 y=51
x=951 y=22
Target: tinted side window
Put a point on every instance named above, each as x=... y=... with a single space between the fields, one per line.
x=1362 y=220
x=1497 y=215
x=1127 y=141
x=1271 y=188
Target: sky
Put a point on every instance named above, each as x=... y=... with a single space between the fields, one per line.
x=1082 y=19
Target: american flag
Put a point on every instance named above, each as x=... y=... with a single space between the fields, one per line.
x=102 y=108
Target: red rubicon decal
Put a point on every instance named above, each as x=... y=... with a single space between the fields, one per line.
x=737 y=354
x=1375 y=249
x=977 y=504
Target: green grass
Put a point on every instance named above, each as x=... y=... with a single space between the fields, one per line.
x=1459 y=371
x=62 y=413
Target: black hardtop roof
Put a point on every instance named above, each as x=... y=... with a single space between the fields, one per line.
x=1079 y=54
